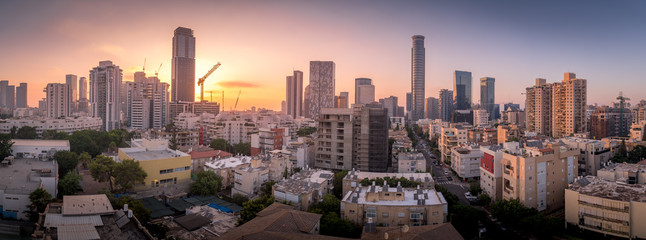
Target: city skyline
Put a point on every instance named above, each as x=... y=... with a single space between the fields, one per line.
x=521 y=44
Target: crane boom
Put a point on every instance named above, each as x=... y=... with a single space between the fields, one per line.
x=234 y=107
x=159 y=68
x=200 y=82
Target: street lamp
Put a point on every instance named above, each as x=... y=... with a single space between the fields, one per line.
x=402 y=229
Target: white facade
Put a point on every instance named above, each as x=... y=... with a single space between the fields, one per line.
x=480 y=117
x=105 y=86
x=366 y=93
x=68 y=125
x=27 y=148
x=59 y=100
x=465 y=161
x=411 y=162
x=22 y=177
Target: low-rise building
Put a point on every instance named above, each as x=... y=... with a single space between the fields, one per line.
x=301 y=152
x=304 y=188
x=539 y=173
x=594 y=154
x=200 y=155
x=353 y=179
x=40 y=149
x=20 y=177
x=612 y=208
x=162 y=165
x=394 y=206
x=456 y=134
x=397 y=122
x=637 y=131
x=465 y=161
x=279 y=221
x=68 y=125
x=225 y=167
x=507 y=133
x=491 y=168
x=435 y=128
x=623 y=172
x=247 y=180
x=411 y=162
x=268 y=139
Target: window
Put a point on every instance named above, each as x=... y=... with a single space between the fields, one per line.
x=165 y=171
x=385 y=215
x=351 y=211
x=371 y=213
x=401 y=215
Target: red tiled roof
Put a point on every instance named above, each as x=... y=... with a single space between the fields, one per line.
x=208 y=154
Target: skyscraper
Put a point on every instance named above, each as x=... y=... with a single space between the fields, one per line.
x=105 y=86
x=321 y=87
x=59 y=100
x=342 y=100
x=21 y=96
x=538 y=107
x=294 y=96
x=569 y=101
x=370 y=138
x=3 y=95
x=82 y=88
x=364 y=91
x=146 y=100
x=462 y=90
x=418 y=81
x=183 y=65
x=432 y=108
x=72 y=81
x=390 y=103
x=306 y=102
x=487 y=96
x=446 y=104
x=409 y=102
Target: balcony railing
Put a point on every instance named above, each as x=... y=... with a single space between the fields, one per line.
x=598 y=228
x=625 y=209
x=605 y=218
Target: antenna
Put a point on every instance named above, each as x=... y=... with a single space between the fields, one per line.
x=144 y=68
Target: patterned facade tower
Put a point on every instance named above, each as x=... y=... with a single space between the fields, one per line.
x=321 y=87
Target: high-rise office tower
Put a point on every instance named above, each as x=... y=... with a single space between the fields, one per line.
x=294 y=96
x=83 y=103
x=21 y=96
x=538 y=107
x=364 y=91
x=390 y=104
x=82 y=88
x=409 y=102
x=105 y=86
x=446 y=104
x=283 y=107
x=569 y=101
x=418 y=81
x=370 y=138
x=183 y=65
x=59 y=100
x=462 y=90
x=147 y=102
x=306 y=102
x=7 y=94
x=72 y=81
x=3 y=95
x=488 y=96
x=341 y=101
x=432 y=108
x=321 y=87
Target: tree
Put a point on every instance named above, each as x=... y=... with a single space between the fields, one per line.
x=305 y=131
x=69 y=185
x=475 y=188
x=333 y=225
x=85 y=159
x=127 y=173
x=329 y=204
x=173 y=142
x=220 y=144
x=5 y=146
x=27 y=132
x=67 y=162
x=13 y=131
x=137 y=207
x=484 y=199
x=338 y=183
x=267 y=189
x=39 y=199
x=251 y=208
x=242 y=148
x=54 y=135
x=239 y=199
x=208 y=183
x=102 y=168
x=465 y=220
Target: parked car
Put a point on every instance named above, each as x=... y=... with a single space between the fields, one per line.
x=469 y=197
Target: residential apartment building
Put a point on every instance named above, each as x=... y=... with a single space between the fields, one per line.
x=146 y=102
x=394 y=206
x=491 y=168
x=267 y=140
x=301 y=152
x=569 y=101
x=610 y=207
x=225 y=167
x=610 y=122
x=342 y=101
x=294 y=98
x=200 y=155
x=20 y=178
x=68 y=125
x=480 y=117
x=538 y=174
x=105 y=93
x=59 y=100
x=162 y=165
x=354 y=177
x=538 y=107
x=454 y=135
x=370 y=138
x=390 y=103
x=508 y=133
x=321 y=86
x=411 y=162
x=248 y=179
x=594 y=154
x=305 y=188
x=465 y=161
x=514 y=116
x=334 y=144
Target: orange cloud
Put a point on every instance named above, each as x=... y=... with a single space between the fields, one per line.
x=237 y=84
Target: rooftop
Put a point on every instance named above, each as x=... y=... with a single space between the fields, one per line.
x=228 y=162
x=277 y=218
x=304 y=181
x=22 y=176
x=420 y=177
x=141 y=154
x=597 y=187
x=411 y=196
x=411 y=156
x=40 y=143
x=87 y=205
x=210 y=154
x=444 y=231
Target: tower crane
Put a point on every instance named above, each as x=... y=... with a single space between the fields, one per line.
x=159 y=68
x=236 y=105
x=622 y=101
x=211 y=94
x=202 y=79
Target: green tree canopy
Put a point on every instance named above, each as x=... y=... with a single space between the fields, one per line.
x=267 y=188
x=208 y=183
x=5 y=146
x=127 y=173
x=67 y=162
x=27 y=132
x=39 y=199
x=85 y=159
x=137 y=207
x=54 y=135
x=251 y=208
x=305 y=131
x=338 y=183
x=69 y=185
x=242 y=148
x=102 y=169
x=220 y=144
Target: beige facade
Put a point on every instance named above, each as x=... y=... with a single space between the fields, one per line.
x=594 y=154
x=569 y=100
x=538 y=107
x=278 y=163
x=607 y=207
x=354 y=178
x=456 y=134
x=507 y=132
x=334 y=144
x=226 y=167
x=247 y=180
x=538 y=175
x=465 y=161
x=411 y=162
x=394 y=206
x=304 y=188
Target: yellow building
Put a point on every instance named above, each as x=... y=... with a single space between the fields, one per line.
x=164 y=166
x=612 y=208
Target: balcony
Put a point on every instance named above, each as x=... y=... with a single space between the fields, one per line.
x=626 y=223
x=599 y=228
x=625 y=209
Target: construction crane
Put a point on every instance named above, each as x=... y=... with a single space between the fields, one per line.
x=211 y=94
x=622 y=101
x=202 y=79
x=144 y=68
x=159 y=68
x=235 y=106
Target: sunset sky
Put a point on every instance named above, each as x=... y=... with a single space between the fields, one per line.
x=261 y=42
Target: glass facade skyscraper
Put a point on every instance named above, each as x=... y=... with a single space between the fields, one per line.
x=183 y=65
x=462 y=90
x=418 y=77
